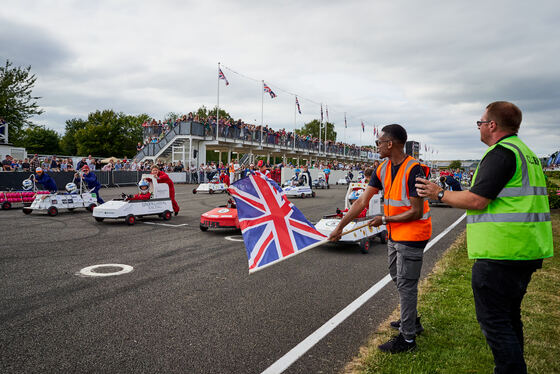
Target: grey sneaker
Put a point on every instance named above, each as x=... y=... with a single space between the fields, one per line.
x=397 y=325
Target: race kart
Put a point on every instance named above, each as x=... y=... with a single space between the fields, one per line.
x=20 y=199
x=222 y=217
x=299 y=188
x=364 y=236
x=53 y=202
x=212 y=187
x=158 y=204
x=320 y=182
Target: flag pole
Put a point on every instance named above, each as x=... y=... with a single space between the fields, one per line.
x=218 y=105
x=314 y=245
x=262 y=109
x=344 y=152
x=320 y=128
x=295 y=113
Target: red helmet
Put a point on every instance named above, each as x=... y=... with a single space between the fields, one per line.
x=260 y=164
x=85 y=168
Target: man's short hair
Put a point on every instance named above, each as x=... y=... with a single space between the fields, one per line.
x=507 y=115
x=396 y=133
x=369 y=171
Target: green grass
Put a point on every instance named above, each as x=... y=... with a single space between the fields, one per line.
x=452 y=341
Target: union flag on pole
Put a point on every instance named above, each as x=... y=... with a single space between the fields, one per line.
x=222 y=76
x=297 y=104
x=267 y=89
x=363 y=127
x=273 y=228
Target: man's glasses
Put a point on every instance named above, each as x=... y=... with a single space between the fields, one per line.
x=377 y=142
x=480 y=123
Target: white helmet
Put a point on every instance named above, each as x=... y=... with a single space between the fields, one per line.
x=144 y=186
x=71 y=187
x=27 y=184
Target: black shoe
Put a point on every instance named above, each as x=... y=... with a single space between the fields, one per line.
x=176 y=213
x=397 y=325
x=397 y=345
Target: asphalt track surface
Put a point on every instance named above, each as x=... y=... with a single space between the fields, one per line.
x=189 y=305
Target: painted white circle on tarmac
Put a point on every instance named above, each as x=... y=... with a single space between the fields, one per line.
x=234 y=238
x=89 y=271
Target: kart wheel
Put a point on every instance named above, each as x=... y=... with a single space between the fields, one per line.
x=302 y=196
x=203 y=228
x=328 y=187
x=130 y=219
x=210 y=192
x=90 y=207
x=166 y=215
x=336 y=183
x=52 y=211
x=313 y=194
x=27 y=211
x=6 y=205
x=383 y=236
x=99 y=219
x=194 y=191
x=364 y=245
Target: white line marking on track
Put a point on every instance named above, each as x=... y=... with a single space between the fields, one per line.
x=166 y=224
x=234 y=238
x=89 y=271
x=299 y=350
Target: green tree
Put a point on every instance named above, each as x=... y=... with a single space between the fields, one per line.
x=39 y=139
x=203 y=113
x=312 y=128
x=17 y=105
x=455 y=164
x=110 y=134
x=68 y=144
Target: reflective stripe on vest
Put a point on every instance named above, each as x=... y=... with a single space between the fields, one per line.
x=517 y=224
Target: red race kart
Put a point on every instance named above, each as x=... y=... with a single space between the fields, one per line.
x=222 y=217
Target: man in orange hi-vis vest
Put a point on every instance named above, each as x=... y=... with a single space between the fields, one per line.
x=407 y=217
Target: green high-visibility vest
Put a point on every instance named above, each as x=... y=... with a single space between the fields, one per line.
x=516 y=225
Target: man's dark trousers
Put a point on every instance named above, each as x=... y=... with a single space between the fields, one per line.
x=498 y=290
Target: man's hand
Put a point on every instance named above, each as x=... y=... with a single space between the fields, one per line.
x=427 y=189
x=335 y=235
x=376 y=221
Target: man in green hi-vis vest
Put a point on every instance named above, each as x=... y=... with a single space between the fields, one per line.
x=509 y=231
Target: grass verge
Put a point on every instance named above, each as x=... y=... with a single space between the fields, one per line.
x=452 y=341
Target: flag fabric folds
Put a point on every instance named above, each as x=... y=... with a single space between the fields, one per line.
x=222 y=76
x=297 y=104
x=273 y=228
x=267 y=89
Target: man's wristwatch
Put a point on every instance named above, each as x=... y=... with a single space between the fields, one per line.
x=440 y=195
x=383 y=220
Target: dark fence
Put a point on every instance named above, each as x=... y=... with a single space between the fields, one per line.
x=13 y=180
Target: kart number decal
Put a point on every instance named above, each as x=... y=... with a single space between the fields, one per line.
x=225 y=210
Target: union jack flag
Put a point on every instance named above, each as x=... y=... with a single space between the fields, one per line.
x=267 y=89
x=363 y=127
x=273 y=228
x=297 y=104
x=222 y=76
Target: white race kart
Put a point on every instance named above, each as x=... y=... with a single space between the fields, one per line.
x=299 y=188
x=53 y=202
x=213 y=187
x=159 y=204
x=363 y=236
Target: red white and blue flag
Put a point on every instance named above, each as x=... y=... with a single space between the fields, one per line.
x=267 y=89
x=273 y=228
x=222 y=76
x=363 y=127
x=297 y=104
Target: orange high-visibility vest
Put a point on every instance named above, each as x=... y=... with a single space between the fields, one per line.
x=395 y=193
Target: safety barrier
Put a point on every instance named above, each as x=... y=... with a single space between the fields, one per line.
x=12 y=181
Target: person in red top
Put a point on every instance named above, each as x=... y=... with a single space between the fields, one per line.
x=144 y=194
x=262 y=169
x=162 y=177
x=276 y=175
x=224 y=178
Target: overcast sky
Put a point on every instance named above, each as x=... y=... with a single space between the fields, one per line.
x=431 y=66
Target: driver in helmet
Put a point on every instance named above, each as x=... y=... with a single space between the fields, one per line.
x=91 y=181
x=27 y=184
x=71 y=188
x=354 y=195
x=144 y=192
x=46 y=180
